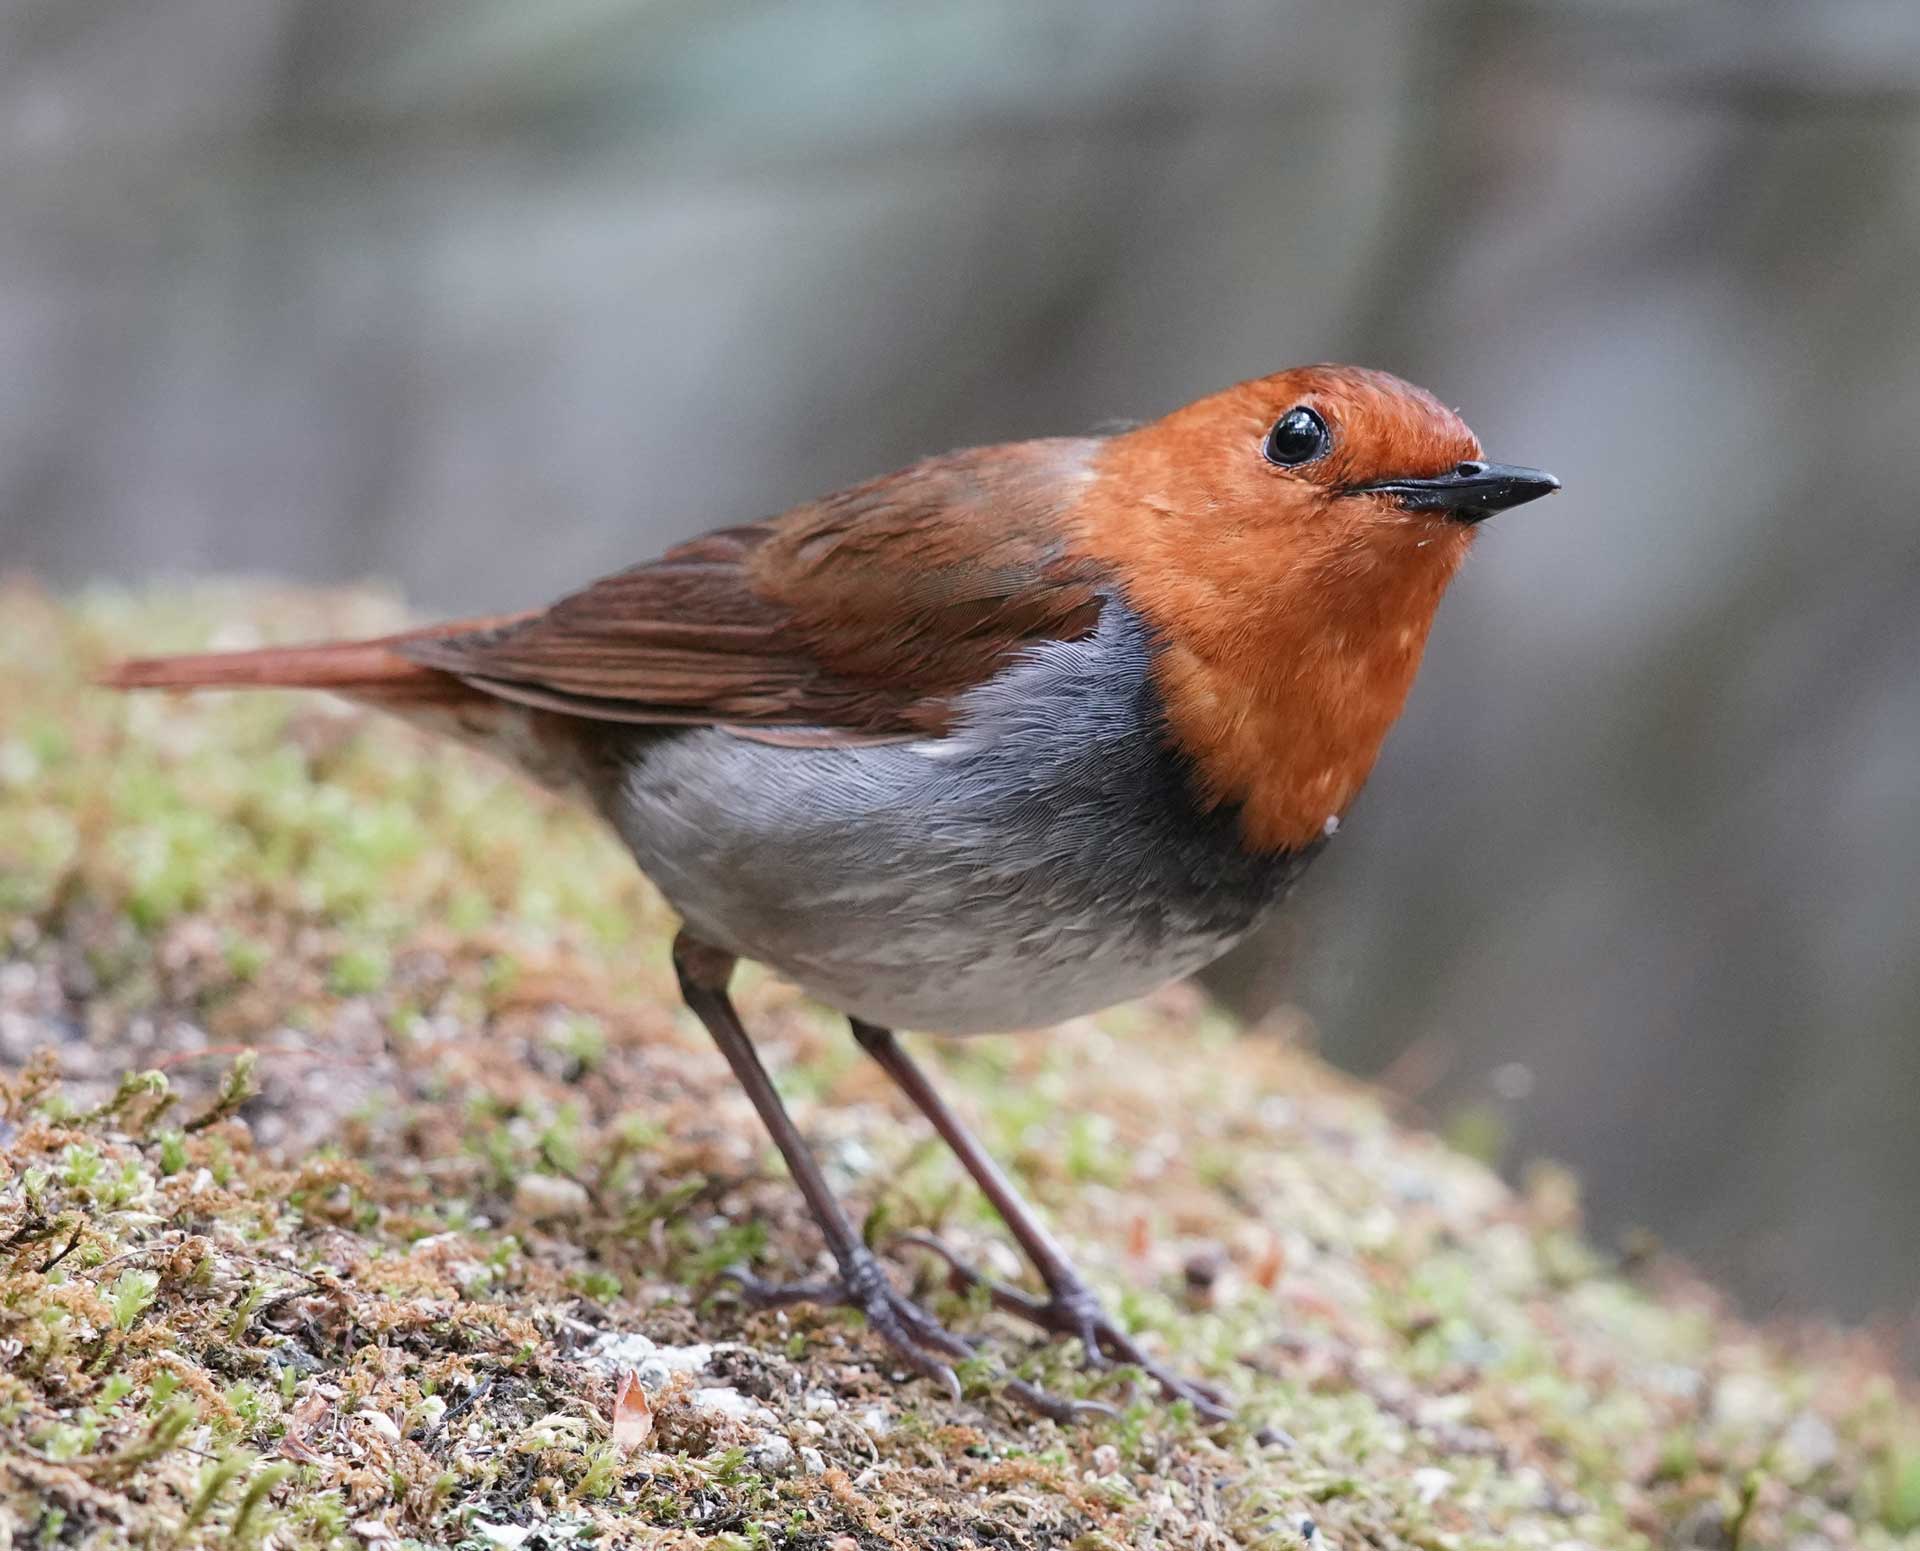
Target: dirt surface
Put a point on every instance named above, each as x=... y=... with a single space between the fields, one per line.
x=362 y=1183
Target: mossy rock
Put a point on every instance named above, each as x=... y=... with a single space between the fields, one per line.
x=367 y=1153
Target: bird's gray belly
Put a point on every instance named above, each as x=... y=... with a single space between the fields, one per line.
x=1044 y=860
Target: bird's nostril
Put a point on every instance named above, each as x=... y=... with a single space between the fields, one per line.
x=1469 y=468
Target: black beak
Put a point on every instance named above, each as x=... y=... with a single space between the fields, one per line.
x=1471 y=490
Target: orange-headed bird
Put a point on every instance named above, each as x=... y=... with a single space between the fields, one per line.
x=1004 y=737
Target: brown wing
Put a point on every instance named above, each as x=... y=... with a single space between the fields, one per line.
x=862 y=615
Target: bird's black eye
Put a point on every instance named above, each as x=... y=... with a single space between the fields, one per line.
x=1299 y=436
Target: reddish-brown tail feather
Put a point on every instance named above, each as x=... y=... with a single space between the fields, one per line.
x=370 y=670
x=374 y=672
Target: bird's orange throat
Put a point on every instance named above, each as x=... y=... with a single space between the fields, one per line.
x=1287 y=721
x=1287 y=645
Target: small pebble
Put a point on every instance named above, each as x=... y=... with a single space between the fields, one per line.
x=1202 y=1274
x=549 y=1197
x=772 y=1455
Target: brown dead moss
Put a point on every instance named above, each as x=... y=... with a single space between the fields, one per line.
x=350 y=1124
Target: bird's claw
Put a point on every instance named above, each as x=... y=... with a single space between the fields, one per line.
x=1072 y=1309
x=919 y=1339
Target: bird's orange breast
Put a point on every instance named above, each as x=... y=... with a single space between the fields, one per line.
x=1287 y=642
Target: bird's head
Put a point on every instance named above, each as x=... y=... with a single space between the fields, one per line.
x=1302 y=478
x=1289 y=539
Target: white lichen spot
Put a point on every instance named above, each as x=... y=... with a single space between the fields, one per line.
x=724 y=1400
x=381 y=1423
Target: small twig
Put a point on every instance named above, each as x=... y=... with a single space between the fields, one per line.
x=139 y=1252
x=32 y=1230
x=1749 y=1499
x=73 y=1243
x=235 y=1090
x=133 y=1087
x=473 y=1397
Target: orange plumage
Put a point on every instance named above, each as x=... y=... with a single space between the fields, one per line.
x=1294 y=613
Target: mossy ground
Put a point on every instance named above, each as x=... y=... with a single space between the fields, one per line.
x=349 y=1116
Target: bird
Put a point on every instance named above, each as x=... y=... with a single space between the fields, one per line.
x=1000 y=739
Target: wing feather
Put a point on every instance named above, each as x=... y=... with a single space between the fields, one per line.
x=861 y=616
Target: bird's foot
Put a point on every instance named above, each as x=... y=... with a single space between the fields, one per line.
x=926 y=1345
x=916 y=1337
x=1072 y=1309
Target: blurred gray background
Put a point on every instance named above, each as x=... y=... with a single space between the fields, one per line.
x=491 y=297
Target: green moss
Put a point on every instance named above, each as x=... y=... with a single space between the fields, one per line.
x=268 y=1273
x=359 y=971
x=131 y=1293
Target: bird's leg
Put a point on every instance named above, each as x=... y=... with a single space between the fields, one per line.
x=704 y=972
x=920 y=1339
x=1071 y=1307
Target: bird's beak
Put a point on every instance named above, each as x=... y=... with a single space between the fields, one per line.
x=1470 y=491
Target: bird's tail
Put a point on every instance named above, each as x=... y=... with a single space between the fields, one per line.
x=373 y=670
x=378 y=673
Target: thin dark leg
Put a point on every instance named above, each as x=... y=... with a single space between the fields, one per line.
x=704 y=972
x=862 y=1283
x=1072 y=1308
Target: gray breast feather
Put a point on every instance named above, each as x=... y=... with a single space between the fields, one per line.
x=1044 y=860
